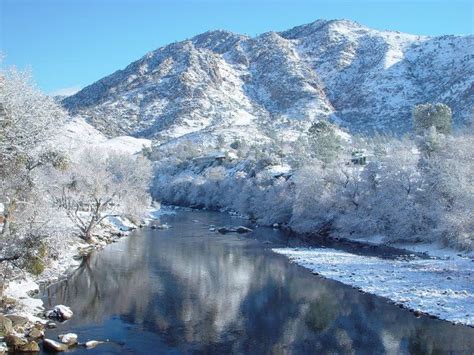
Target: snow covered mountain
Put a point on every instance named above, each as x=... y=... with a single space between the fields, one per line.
x=277 y=82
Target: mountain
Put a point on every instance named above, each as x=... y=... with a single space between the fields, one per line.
x=279 y=82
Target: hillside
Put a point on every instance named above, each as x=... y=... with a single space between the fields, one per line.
x=364 y=79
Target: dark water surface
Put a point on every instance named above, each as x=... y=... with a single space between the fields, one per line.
x=189 y=290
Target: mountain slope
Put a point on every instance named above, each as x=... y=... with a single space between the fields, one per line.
x=280 y=82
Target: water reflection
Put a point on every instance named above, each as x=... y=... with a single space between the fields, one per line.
x=187 y=290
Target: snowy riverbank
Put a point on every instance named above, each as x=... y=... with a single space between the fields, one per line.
x=20 y=292
x=441 y=285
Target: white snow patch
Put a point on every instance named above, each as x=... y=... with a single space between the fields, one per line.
x=444 y=288
x=20 y=290
x=119 y=223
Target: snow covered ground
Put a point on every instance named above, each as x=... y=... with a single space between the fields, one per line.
x=439 y=286
x=77 y=134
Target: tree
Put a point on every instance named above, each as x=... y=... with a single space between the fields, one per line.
x=437 y=115
x=324 y=142
x=27 y=122
x=103 y=184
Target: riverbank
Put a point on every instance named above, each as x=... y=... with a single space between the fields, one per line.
x=19 y=300
x=440 y=284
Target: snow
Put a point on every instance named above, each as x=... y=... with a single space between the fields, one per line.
x=119 y=223
x=20 y=290
x=440 y=287
x=125 y=144
x=77 y=134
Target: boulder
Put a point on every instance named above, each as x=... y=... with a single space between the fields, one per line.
x=52 y=345
x=93 y=343
x=36 y=333
x=17 y=320
x=14 y=340
x=6 y=325
x=225 y=230
x=239 y=229
x=69 y=338
x=30 y=347
x=3 y=348
x=60 y=313
x=51 y=325
x=242 y=230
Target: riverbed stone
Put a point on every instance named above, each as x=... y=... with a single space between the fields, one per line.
x=14 y=340
x=6 y=325
x=60 y=313
x=51 y=325
x=242 y=230
x=225 y=230
x=3 y=348
x=36 y=333
x=30 y=347
x=93 y=343
x=17 y=320
x=52 y=345
x=69 y=338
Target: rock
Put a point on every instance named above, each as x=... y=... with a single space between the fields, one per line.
x=3 y=348
x=6 y=325
x=60 y=313
x=69 y=338
x=30 y=347
x=52 y=345
x=93 y=343
x=242 y=230
x=14 y=340
x=239 y=229
x=36 y=333
x=51 y=325
x=17 y=320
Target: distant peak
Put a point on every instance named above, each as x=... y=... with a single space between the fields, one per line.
x=318 y=25
x=217 y=40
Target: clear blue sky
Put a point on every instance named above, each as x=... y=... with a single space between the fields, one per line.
x=72 y=43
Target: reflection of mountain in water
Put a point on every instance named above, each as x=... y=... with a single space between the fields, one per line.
x=192 y=290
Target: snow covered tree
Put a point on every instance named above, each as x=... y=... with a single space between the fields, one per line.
x=103 y=184
x=28 y=120
x=324 y=142
x=437 y=115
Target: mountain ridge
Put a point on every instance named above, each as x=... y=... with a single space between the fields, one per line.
x=366 y=80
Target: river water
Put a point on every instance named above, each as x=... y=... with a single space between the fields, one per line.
x=190 y=290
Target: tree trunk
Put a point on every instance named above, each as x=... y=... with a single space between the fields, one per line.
x=6 y=219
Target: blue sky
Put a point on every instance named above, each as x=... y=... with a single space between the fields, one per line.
x=71 y=43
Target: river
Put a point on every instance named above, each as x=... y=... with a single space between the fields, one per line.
x=191 y=290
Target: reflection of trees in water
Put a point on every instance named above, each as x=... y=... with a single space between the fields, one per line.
x=227 y=295
x=321 y=313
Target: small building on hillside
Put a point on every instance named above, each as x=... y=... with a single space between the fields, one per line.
x=359 y=157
